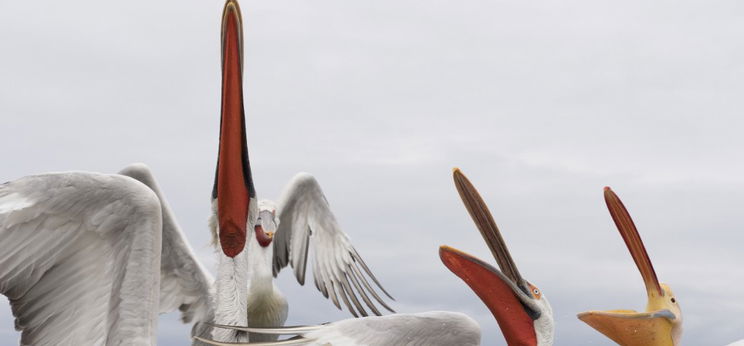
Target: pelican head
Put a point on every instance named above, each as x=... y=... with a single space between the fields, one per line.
x=520 y=308
x=233 y=193
x=267 y=222
x=661 y=323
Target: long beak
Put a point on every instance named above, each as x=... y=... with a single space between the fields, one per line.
x=633 y=241
x=656 y=326
x=504 y=292
x=483 y=219
x=497 y=293
x=233 y=186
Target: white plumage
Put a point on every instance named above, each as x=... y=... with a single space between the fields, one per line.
x=306 y=224
x=88 y=258
x=433 y=328
x=420 y=329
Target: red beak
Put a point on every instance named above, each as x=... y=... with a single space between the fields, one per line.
x=233 y=187
x=497 y=289
x=491 y=287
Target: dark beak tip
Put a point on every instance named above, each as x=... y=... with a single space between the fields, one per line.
x=231 y=5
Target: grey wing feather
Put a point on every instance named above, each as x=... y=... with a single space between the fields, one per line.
x=184 y=283
x=306 y=222
x=80 y=258
x=434 y=328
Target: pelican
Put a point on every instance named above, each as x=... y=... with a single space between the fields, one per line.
x=521 y=310
x=661 y=323
x=90 y=258
x=258 y=239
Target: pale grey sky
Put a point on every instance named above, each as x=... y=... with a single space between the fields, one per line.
x=541 y=103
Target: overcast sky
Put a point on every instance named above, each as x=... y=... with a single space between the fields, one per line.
x=541 y=103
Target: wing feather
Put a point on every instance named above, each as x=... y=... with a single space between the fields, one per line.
x=306 y=224
x=80 y=257
x=361 y=262
x=184 y=283
x=351 y=274
x=369 y=288
x=434 y=328
x=428 y=328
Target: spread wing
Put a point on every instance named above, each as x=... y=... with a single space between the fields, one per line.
x=428 y=328
x=80 y=258
x=435 y=328
x=306 y=222
x=89 y=258
x=184 y=283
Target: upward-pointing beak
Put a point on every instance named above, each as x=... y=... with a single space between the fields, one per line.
x=633 y=241
x=658 y=325
x=233 y=186
x=483 y=219
x=502 y=291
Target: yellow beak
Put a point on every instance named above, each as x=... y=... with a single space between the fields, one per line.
x=631 y=328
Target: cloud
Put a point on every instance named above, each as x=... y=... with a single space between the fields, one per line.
x=540 y=103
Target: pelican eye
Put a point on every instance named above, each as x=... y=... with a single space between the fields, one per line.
x=534 y=291
x=674 y=300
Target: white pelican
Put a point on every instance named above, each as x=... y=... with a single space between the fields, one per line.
x=661 y=323
x=521 y=310
x=302 y=222
x=89 y=258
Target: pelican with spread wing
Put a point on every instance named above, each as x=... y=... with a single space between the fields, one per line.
x=260 y=238
x=285 y=234
x=89 y=258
